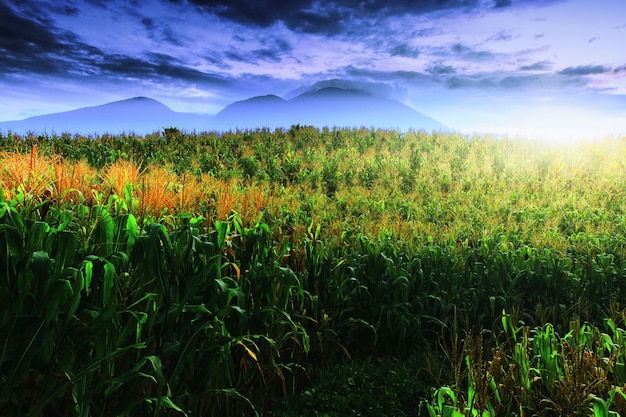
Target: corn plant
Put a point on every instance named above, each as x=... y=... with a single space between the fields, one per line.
x=536 y=371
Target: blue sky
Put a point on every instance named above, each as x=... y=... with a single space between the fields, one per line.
x=552 y=68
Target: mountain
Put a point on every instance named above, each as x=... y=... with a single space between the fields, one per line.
x=255 y=112
x=139 y=115
x=334 y=106
x=330 y=106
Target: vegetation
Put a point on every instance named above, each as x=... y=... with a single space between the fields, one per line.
x=245 y=273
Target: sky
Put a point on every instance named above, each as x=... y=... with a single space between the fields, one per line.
x=544 y=68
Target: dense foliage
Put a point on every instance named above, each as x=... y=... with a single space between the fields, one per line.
x=207 y=274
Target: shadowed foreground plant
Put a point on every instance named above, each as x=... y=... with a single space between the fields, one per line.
x=537 y=371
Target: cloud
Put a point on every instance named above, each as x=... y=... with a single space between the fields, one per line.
x=503 y=35
x=516 y=82
x=30 y=44
x=458 y=82
x=155 y=65
x=584 y=70
x=253 y=57
x=375 y=89
x=64 y=9
x=273 y=50
x=440 y=69
x=300 y=15
x=332 y=17
x=425 y=33
x=405 y=51
x=537 y=66
x=161 y=32
x=36 y=46
x=378 y=75
x=466 y=53
x=98 y=3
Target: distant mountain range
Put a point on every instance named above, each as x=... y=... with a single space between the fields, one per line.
x=331 y=106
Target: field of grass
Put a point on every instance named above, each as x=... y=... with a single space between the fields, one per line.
x=245 y=273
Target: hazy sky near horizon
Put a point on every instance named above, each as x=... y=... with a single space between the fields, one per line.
x=555 y=67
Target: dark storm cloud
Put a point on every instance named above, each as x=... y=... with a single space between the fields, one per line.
x=537 y=66
x=156 y=66
x=619 y=69
x=30 y=44
x=36 y=46
x=148 y=23
x=64 y=9
x=99 y=3
x=296 y=14
x=312 y=16
x=584 y=70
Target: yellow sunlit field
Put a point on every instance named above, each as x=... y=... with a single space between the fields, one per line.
x=227 y=272
x=412 y=187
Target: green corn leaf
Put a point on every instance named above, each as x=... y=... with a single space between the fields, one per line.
x=233 y=393
x=104 y=231
x=442 y=393
x=77 y=288
x=600 y=407
x=222 y=229
x=87 y=267
x=58 y=295
x=78 y=377
x=40 y=265
x=18 y=368
x=471 y=391
x=38 y=237
x=108 y=282
x=165 y=402
x=67 y=248
x=155 y=361
x=133 y=328
x=127 y=228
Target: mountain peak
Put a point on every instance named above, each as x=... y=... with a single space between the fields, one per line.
x=266 y=98
x=137 y=104
x=334 y=93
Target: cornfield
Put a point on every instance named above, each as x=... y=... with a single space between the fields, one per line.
x=215 y=275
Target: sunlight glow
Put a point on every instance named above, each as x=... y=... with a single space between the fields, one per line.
x=563 y=125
